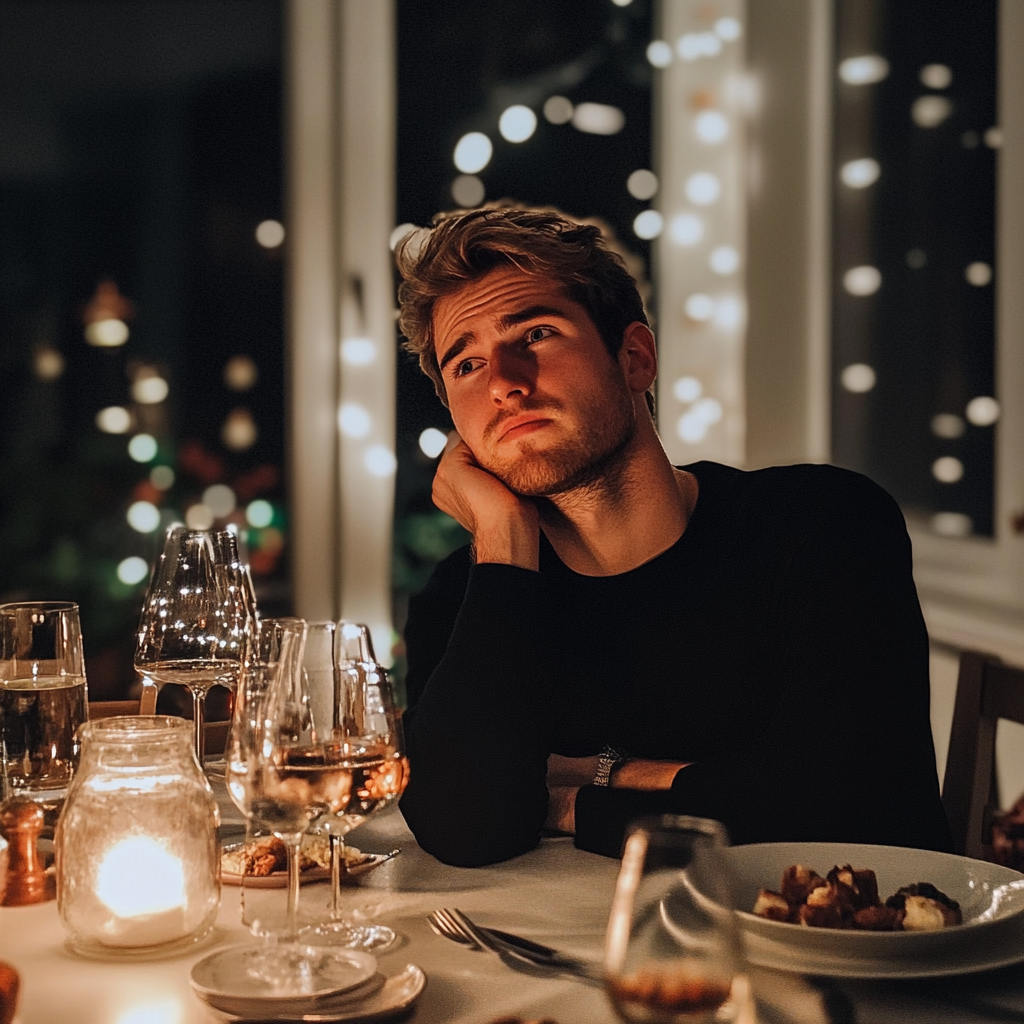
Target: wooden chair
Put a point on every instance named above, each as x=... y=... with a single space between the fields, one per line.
x=986 y=691
x=145 y=705
x=215 y=734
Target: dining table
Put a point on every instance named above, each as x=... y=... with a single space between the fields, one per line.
x=555 y=894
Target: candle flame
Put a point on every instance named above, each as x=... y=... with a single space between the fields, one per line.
x=139 y=877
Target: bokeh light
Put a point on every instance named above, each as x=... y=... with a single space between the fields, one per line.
x=115 y=419
x=149 y=390
x=259 y=513
x=642 y=184
x=132 y=570
x=143 y=516
x=380 y=461
x=648 y=224
x=864 y=70
x=862 y=280
x=473 y=152
x=858 y=378
x=240 y=373
x=860 y=173
x=142 y=448
x=982 y=411
x=948 y=470
x=354 y=420
x=270 y=233
x=517 y=123
x=432 y=442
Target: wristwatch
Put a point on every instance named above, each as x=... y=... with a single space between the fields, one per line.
x=607 y=761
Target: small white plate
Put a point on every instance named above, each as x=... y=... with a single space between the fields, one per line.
x=236 y=973
x=991 y=899
x=394 y=997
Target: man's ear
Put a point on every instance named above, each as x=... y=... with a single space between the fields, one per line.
x=638 y=357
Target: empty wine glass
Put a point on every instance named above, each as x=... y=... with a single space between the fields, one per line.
x=342 y=673
x=199 y=617
x=673 y=950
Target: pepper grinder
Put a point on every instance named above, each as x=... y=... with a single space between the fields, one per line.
x=21 y=821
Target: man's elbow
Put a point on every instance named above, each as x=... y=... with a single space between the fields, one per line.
x=465 y=843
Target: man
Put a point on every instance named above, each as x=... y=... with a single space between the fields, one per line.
x=624 y=636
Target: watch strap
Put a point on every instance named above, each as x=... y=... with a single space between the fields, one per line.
x=607 y=761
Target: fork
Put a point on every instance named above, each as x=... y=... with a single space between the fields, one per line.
x=455 y=925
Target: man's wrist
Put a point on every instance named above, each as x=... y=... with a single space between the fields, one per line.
x=515 y=543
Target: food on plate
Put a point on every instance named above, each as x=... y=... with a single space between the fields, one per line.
x=268 y=854
x=847 y=897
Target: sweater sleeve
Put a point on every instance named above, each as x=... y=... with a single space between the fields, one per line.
x=844 y=750
x=477 y=734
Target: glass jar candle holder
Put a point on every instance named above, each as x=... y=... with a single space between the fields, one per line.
x=138 y=865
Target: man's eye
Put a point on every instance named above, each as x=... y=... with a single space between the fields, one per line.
x=539 y=334
x=461 y=369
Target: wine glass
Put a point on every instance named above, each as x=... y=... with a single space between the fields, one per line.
x=345 y=675
x=42 y=701
x=199 y=617
x=281 y=776
x=673 y=951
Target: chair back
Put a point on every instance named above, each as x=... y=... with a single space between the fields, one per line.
x=986 y=691
x=145 y=705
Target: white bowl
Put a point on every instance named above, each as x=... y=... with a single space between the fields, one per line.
x=991 y=900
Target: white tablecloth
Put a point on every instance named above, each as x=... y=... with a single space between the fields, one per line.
x=555 y=894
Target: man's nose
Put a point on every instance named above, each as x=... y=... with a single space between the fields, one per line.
x=512 y=373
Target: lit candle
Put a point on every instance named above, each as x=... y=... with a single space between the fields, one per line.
x=142 y=887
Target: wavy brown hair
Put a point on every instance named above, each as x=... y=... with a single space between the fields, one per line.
x=464 y=246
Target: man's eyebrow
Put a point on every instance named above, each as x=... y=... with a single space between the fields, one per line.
x=519 y=316
x=456 y=349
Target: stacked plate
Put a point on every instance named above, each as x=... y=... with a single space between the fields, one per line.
x=301 y=983
x=991 y=899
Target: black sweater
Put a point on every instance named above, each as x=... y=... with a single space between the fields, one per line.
x=778 y=645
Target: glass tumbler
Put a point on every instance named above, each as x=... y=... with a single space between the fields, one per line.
x=673 y=951
x=138 y=864
x=42 y=701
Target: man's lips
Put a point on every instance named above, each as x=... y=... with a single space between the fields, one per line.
x=520 y=426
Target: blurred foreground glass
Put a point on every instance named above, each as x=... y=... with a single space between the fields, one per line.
x=138 y=864
x=42 y=701
x=199 y=618
x=673 y=952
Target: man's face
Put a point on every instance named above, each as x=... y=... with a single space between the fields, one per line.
x=531 y=387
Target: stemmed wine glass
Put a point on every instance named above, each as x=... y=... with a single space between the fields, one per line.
x=280 y=775
x=343 y=675
x=199 y=617
x=673 y=951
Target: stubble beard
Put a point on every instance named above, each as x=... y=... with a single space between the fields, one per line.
x=581 y=462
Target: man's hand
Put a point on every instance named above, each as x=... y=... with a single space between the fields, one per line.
x=505 y=527
x=567 y=774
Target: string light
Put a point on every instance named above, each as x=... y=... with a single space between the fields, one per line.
x=979 y=274
x=473 y=152
x=948 y=470
x=936 y=76
x=930 y=111
x=711 y=126
x=432 y=442
x=150 y=390
x=115 y=419
x=642 y=184
x=659 y=53
x=143 y=516
x=982 y=411
x=687 y=389
x=270 y=233
x=860 y=173
x=517 y=123
x=648 y=224
x=558 y=110
x=142 y=448
x=598 y=119
x=858 y=378
x=862 y=281
x=686 y=229
x=864 y=70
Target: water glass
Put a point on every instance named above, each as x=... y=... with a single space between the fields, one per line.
x=42 y=701
x=673 y=951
